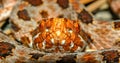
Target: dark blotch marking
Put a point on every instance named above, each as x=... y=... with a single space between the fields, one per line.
x=63 y=3
x=35 y=2
x=36 y=55
x=15 y=27
x=111 y=56
x=44 y=14
x=67 y=59
x=85 y=17
x=5 y=49
x=117 y=25
x=23 y=14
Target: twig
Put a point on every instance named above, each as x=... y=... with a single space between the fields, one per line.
x=95 y=5
x=85 y=1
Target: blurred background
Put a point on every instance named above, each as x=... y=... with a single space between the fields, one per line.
x=103 y=9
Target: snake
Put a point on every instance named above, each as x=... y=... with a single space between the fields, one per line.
x=58 y=31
